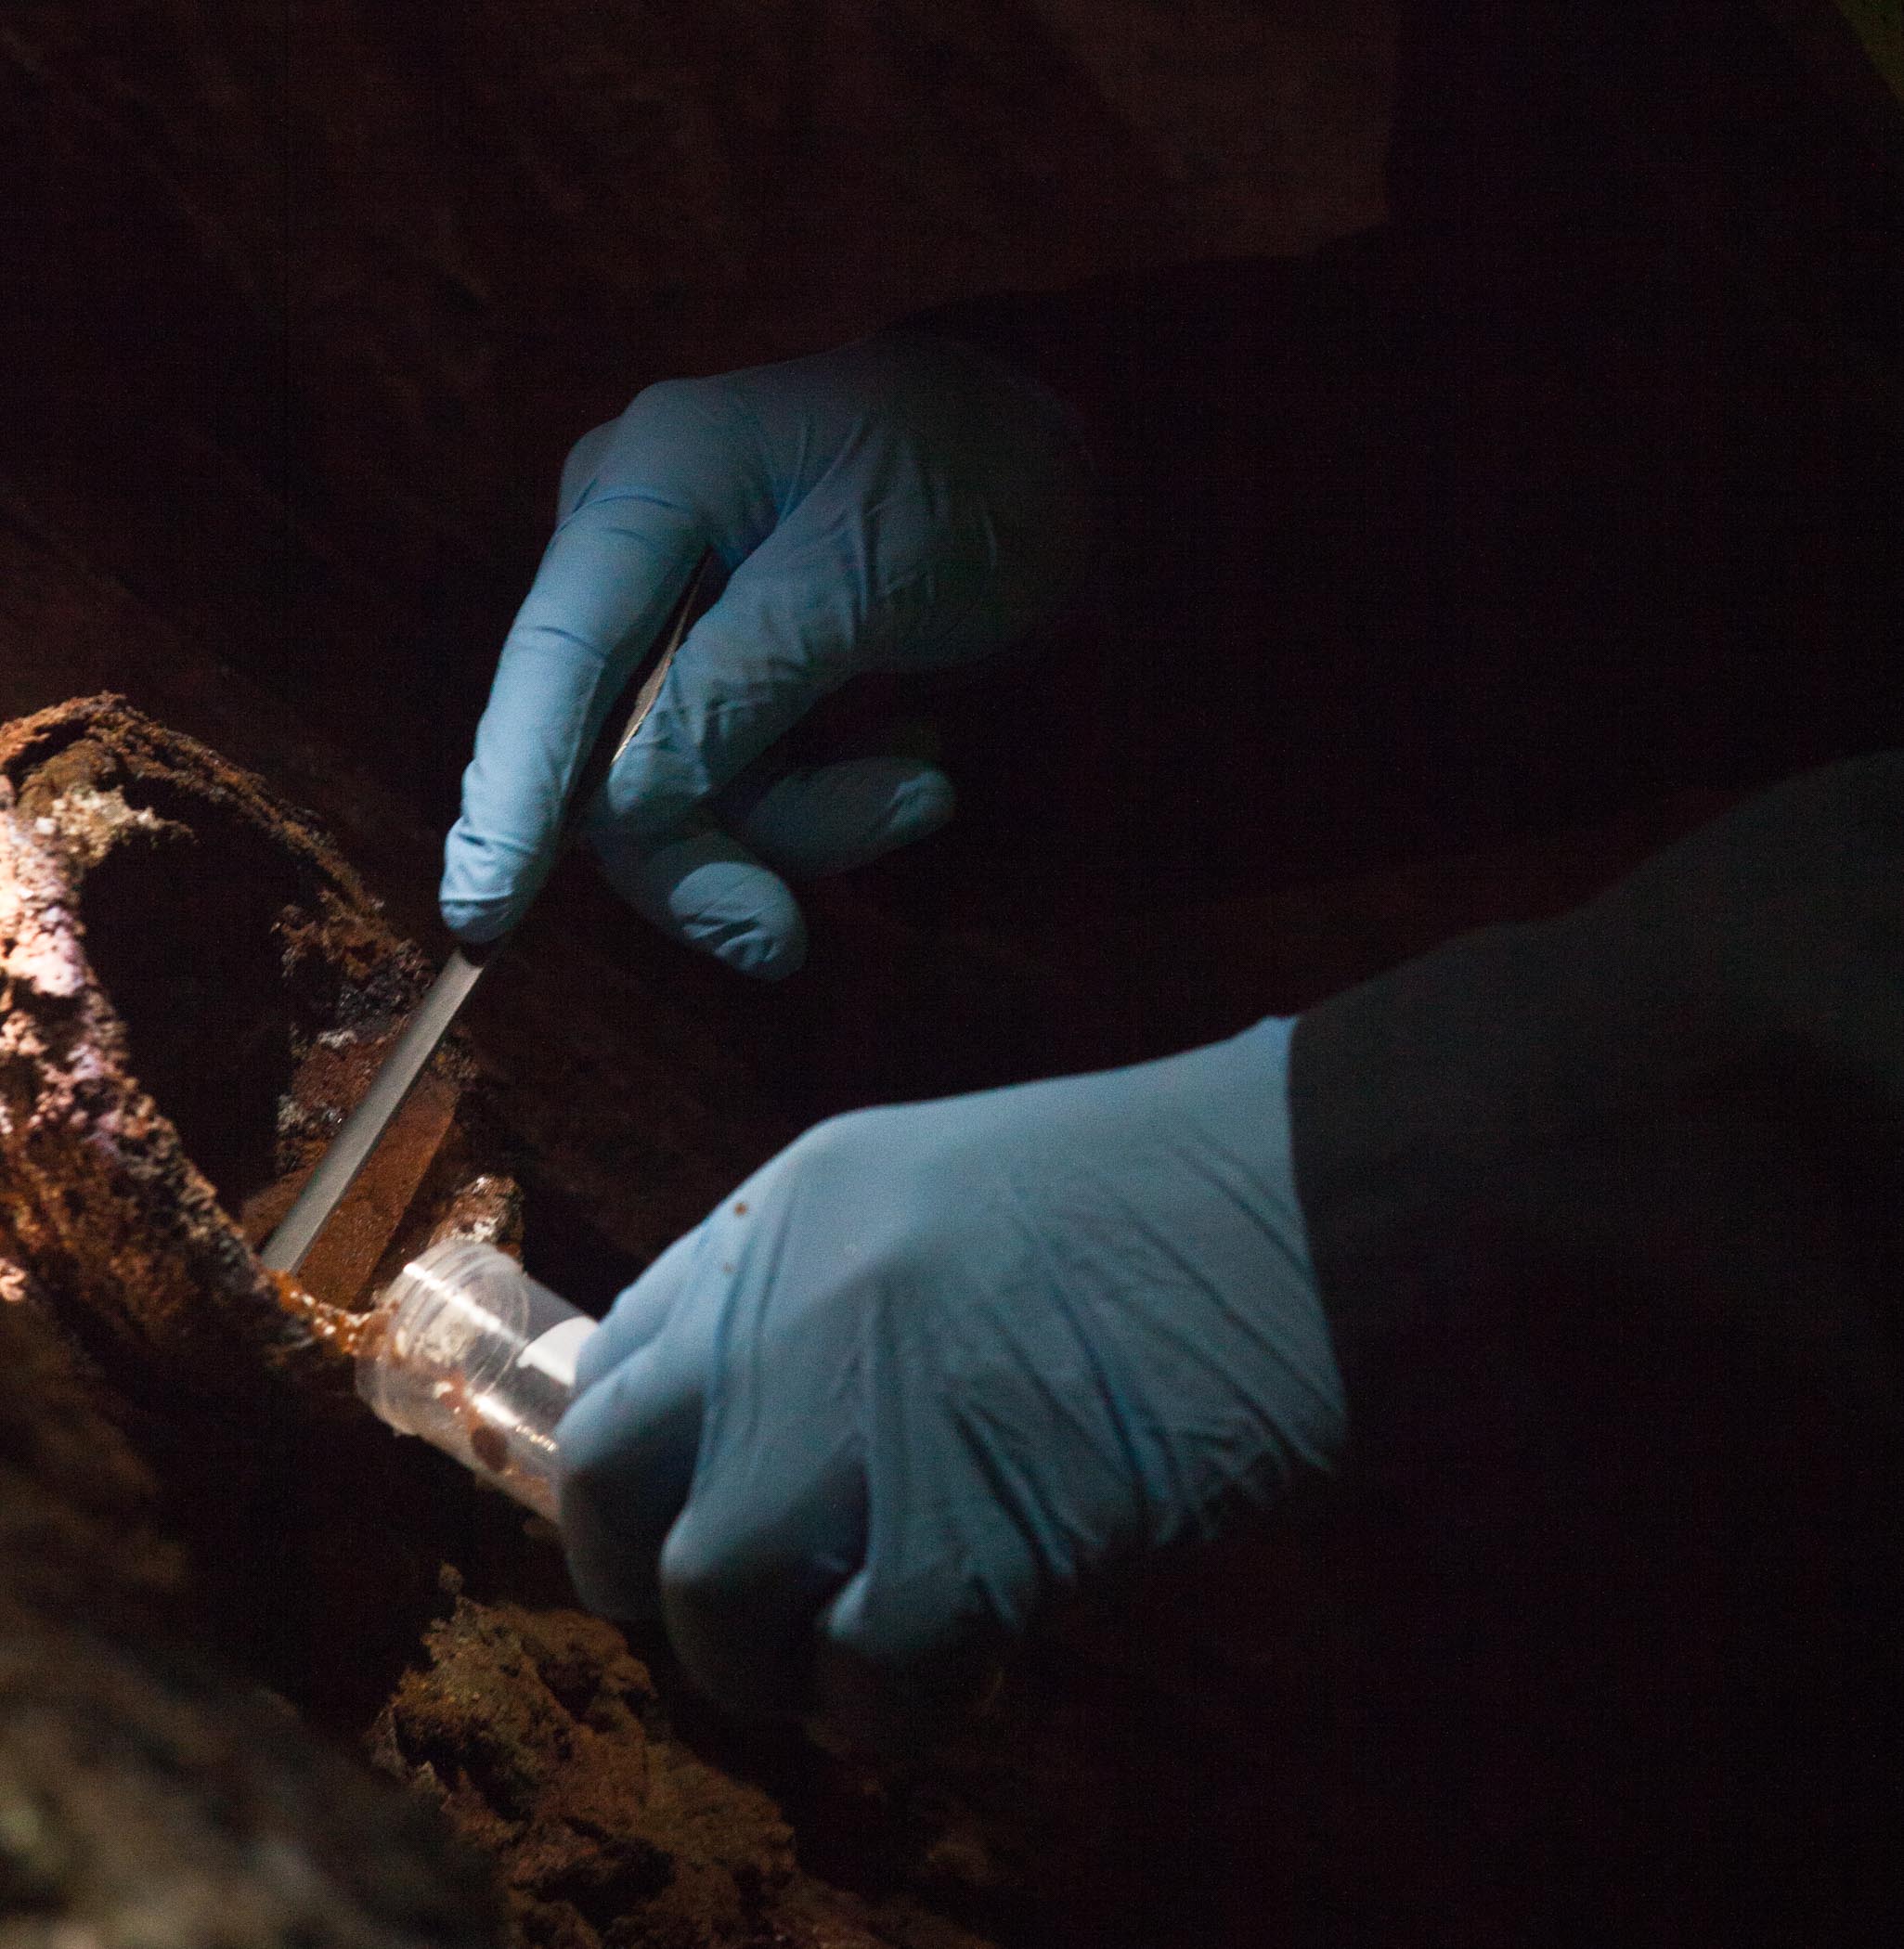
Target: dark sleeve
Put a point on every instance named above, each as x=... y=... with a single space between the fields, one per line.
x=1608 y=1217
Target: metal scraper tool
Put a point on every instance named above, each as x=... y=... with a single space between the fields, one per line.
x=350 y=1149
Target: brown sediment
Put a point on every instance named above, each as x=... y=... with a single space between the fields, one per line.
x=488 y=1209
x=175 y=942
x=349 y=1334
x=162 y=915
x=542 y=1739
x=348 y=1250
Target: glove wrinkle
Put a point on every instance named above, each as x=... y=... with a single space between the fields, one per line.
x=960 y=1357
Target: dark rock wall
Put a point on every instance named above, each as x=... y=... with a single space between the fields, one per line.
x=308 y=303
x=315 y=298
x=149 y=1794
x=304 y=305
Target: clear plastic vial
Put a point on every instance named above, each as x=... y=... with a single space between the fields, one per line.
x=474 y=1356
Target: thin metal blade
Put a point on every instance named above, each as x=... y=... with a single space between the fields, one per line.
x=337 y=1169
x=350 y=1149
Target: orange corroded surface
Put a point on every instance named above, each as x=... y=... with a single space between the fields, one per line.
x=346 y=1253
x=349 y=1334
x=194 y=990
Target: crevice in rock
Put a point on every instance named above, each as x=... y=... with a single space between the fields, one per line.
x=182 y=929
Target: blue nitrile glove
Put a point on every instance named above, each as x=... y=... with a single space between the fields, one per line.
x=934 y=1362
x=902 y=503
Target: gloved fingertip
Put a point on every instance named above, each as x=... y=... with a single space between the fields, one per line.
x=708 y=893
x=921 y=804
x=476 y=922
x=486 y=884
x=611 y=1576
x=894 y=1698
x=768 y=946
x=597 y=1566
x=607 y=1596
x=603 y=1587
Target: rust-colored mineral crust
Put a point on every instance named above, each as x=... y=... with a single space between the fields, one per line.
x=102 y=1203
x=194 y=987
x=544 y=1742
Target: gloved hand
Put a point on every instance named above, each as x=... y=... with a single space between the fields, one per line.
x=934 y=1362
x=902 y=503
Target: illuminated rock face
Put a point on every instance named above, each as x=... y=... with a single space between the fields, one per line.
x=194 y=987
x=147 y=1790
x=148 y=1795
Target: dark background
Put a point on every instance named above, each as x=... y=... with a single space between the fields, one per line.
x=1503 y=424
x=1501 y=416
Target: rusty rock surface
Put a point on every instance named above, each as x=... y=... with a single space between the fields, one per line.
x=102 y=1203
x=545 y=1743
x=194 y=987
